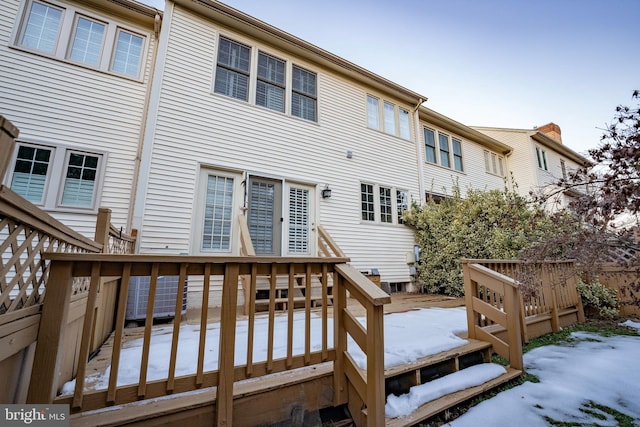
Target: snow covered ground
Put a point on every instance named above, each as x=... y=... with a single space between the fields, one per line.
x=591 y=368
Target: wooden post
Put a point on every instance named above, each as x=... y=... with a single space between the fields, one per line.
x=103 y=223
x=512 y=308
x=226 y=363
x=375 y=366
x=470 y=290
x=340 y=390
x=549 y=281
x=50 y=345
x=8 y=134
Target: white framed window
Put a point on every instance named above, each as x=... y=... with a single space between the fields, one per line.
x=79 y=185
x=494 y=163
x=386 y=116
x=383 y=204
x=57 y=177
x=232 y=70
x=389 y=118
x=541 y=156
x=373 y=112
x=367 y=204
x=218 y=214
x=270 y=87
x=386 y=214
x=41 y=27
x=304 y=94
x=72 y=34
x=402 y=204
x=127 y=56
x=430 y=145
x=563 y=169
x=456 y=145
x=443 y=144
x=86 y=41
x=31 y=172
x=404 y=124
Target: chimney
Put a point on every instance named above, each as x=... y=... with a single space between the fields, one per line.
x=552 y=130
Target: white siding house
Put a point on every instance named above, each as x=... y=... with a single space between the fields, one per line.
x=539 y=160
x=74 y=78
x=247 y=119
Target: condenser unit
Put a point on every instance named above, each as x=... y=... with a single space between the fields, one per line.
x=165 y=300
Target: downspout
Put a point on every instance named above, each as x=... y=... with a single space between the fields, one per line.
x=157 y=23
x=419 y=153
x=151 y=121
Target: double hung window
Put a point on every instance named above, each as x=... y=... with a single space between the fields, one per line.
x=303 y=94
x=232 y=72
x=541 y=156
x=430 y=145
x=55 y=177
x=270 y=89
x=443 y=142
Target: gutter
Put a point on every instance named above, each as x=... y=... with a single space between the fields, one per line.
x=419 y=153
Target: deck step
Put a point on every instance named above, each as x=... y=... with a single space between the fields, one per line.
x=437 y=406
x=399 y=379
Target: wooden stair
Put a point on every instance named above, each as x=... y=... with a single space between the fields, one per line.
x=399 y=379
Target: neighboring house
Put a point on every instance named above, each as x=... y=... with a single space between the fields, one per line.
x=539 y=161
x=247 y=118
x=74 y=78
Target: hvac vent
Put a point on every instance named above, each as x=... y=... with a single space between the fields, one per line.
x=165 y=301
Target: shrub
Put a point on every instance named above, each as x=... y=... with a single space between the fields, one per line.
x=495 y=224
x=597 y=298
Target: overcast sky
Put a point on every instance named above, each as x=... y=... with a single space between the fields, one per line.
x=503 y=63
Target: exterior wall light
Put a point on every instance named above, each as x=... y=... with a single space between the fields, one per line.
x=326 y=192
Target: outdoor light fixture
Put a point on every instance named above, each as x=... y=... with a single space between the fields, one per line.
x=326 y=192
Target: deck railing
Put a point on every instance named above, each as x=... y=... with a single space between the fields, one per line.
x=546 y=288
x=330 y=347
x=493 y=299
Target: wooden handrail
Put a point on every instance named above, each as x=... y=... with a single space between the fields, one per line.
x=326 y=245
x=112 y=239
x=246 y=246
x=370 y=387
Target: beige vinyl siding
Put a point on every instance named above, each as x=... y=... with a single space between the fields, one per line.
x=53 y=102
x=522 y=162
x=197 y=127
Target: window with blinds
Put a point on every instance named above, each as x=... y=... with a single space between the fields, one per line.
x=270 y=88
x=218 y=214
x=232 y=71
x=303 y=94
x=298 y=221
x=261 y=216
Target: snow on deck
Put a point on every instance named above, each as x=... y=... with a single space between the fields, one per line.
x=409 y=336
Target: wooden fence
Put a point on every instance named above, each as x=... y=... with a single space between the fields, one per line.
x=625 y=280
x=66 y=267
x=549 y=298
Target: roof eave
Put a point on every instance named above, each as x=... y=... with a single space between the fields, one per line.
x=448 y=124
x=562 y=149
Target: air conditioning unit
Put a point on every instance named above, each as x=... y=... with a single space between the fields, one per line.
x=165 y=300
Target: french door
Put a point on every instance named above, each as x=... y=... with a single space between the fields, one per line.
x=281 y=217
